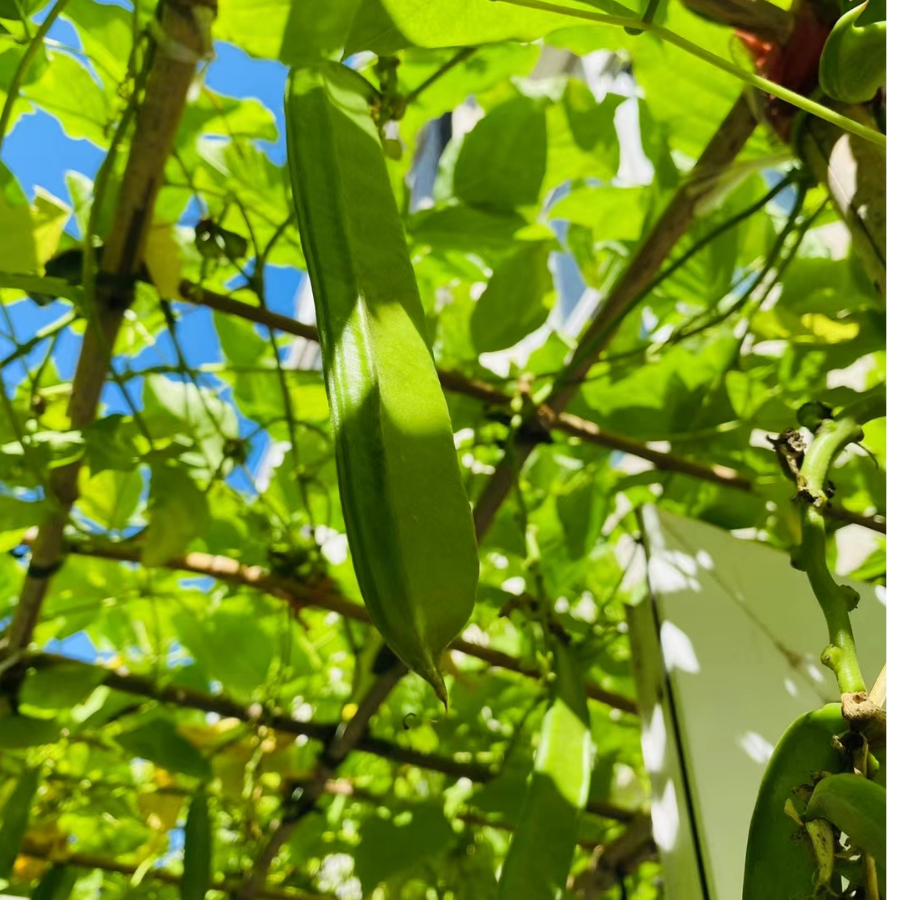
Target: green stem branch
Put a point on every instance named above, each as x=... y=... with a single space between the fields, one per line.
x=836 y=600
x=832 y=436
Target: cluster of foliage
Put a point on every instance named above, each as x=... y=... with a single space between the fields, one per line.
x=207 y=563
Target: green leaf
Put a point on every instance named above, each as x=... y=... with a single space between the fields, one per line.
x=612 y=213
x=212 y=643
x=389 y=848
x=385 y=26
x=256 y=26
x=583 y=141
x=60 y=686
x=49 y=217
x=580 y=508
x=159 y=742
x=502 y=162
x=109 y=445
x=106 y=33
x=15 y=816
x=516 y=301
x=316 y=30
x=69 y=93
x=197 y=850
x=467 y=229
x=241 y=343
x=57 y=883
x=537 y=864
x=13 y=9
x=17 y=732
x=111 y=498
x=17 y=250
x=178 y=513
x=18 y=514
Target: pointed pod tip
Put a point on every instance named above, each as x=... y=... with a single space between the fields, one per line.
x=432 y=674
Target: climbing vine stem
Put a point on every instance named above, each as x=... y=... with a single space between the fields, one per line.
x=837 y=601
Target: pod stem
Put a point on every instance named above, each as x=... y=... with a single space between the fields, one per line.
x=836 y=601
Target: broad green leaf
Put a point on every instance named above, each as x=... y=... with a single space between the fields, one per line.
x=389 y=848
x=316 y=31
x=17 y=732
x=159 y=742
x=256 y=27
x=385 y=26
x=687 y=95
x=658 y=400
x=242 y=345
x=179 y=408
x=49 y=216
x=502 y=162
x=467 y=229
x=612 y=213
x=18 y=514
x=14 y=9
x=61 y=685
x=217 y=114
x=539 y=857
x=107 y=34
x=162 y=255
x=581 y=507
x=582 y=137
x=516 y=301
x=110 y=498
x=212 y=642
x=109 y=445
x=17 y=250
x=178 y=514
x=69 y=93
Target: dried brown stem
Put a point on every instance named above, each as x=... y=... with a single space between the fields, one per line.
x=104 y=863
x=321 y=595
x=341 y=740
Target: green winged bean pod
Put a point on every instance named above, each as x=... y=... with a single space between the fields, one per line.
x=409 y=523
x=783 y=863
x=537 y=864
